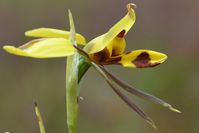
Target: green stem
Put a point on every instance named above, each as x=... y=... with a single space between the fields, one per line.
x=76 y=67
x=71 y=93
x=72 y=84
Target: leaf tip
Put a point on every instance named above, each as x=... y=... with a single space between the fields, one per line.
x=175 y=110
x=150 y=121
x=35 y=104
x=172 y=108
x=69 y=12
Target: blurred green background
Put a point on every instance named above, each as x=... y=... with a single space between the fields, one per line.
x=168 y=26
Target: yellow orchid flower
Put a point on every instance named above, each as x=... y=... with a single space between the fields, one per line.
x=105 y=50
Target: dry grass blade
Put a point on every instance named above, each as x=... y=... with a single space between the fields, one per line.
x=39 y=118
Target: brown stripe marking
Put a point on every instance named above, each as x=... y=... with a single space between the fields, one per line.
x=143 y=60
x=101 y=56
x=121 y=34
x=113 y=60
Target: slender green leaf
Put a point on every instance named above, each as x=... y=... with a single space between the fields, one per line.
x=72 y=83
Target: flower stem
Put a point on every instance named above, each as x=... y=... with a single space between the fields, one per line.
x=72 y=84
x=71 y=93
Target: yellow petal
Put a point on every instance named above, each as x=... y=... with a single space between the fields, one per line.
x=120 y=29
x=107 y=53
x=54 y=33
x=142 y=59
x=117 y=46
x=43 y=48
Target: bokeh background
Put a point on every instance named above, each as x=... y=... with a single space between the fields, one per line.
x=168 y=26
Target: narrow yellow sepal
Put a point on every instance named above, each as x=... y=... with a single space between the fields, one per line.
x=43 y=48
x=54 y=33
x=14 y=50
x=142 y=58
x=123 y=26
